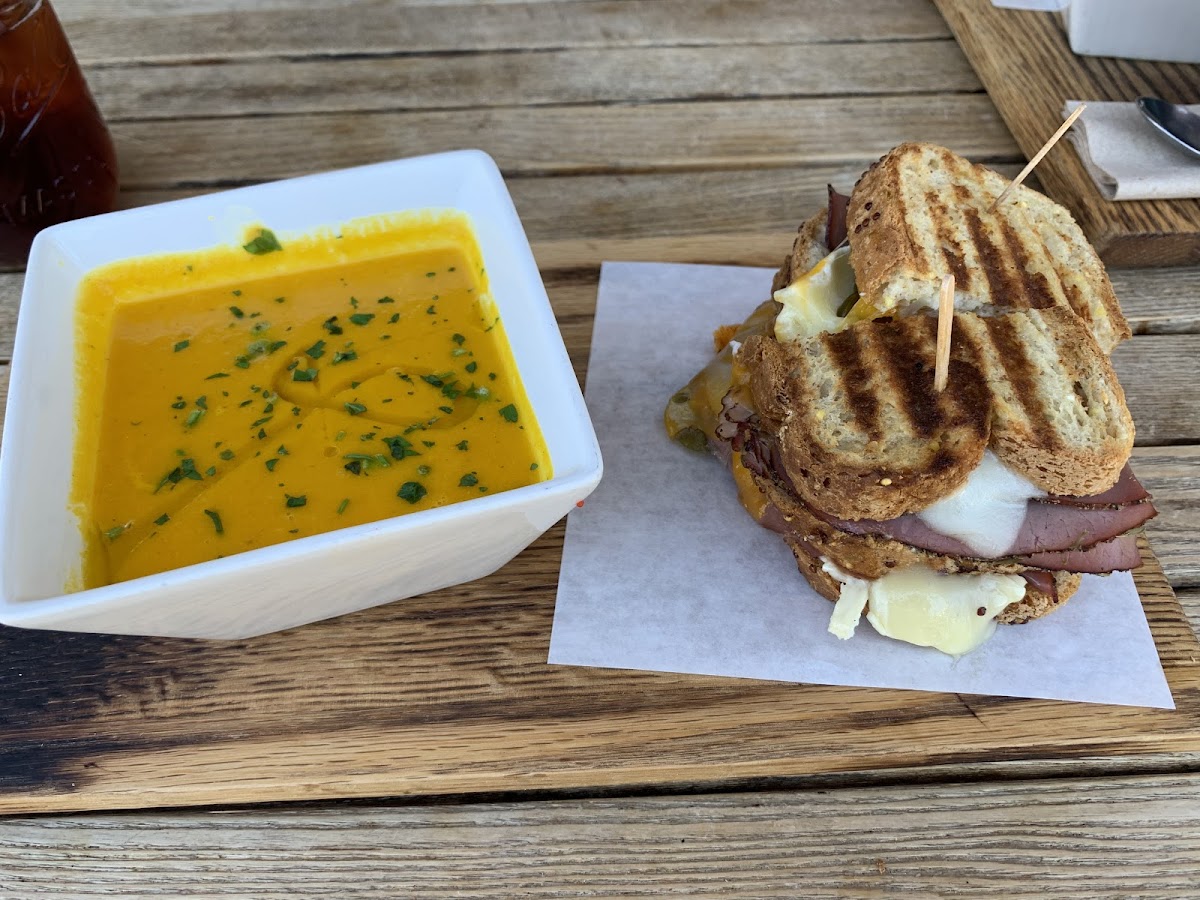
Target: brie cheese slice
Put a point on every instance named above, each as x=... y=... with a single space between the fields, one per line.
x=951 y=613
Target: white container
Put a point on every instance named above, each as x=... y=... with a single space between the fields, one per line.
x=310 y=578
x=1166 y=30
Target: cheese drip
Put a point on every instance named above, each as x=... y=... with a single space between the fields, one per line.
x=951 y=613
x=987 y=512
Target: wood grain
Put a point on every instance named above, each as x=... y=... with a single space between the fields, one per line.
x=1121 y=837
x=238 y=31
x=1027 y=66
x=538 y=78
x=560 y=139
x=450 y=694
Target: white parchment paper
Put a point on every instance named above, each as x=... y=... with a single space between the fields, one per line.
x=663 y=569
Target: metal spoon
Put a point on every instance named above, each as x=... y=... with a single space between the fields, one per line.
x=1178 y=123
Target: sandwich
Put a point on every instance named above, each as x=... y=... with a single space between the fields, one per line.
x=936 y=514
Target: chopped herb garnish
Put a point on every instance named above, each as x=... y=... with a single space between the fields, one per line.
x=179 y=404
x=509 y=413
x=532 y=466
x=468 y=480
x=385 y=300
x=423 y=470
x=404 y=377
x=342 y=506
x=451 y=390
x=471 y=366
x=461 y=445
x=317 y=350
x=362 y=318
x=264 y=242
x=459 y=351
x=429 y=443
x=458 y=339
x=245 y=403
x=217 y=375
x=395 y=317
x=355 y=409
x=331 y=325
x=431 y=274
x=294 y=502
x=259 y=327
x=400 y=447
x=202 y=402
x=340 y=356
x=283 y=450
x=275 y=345
x=412 y=491
x=261 y=434
x=353 y=300
x=237 y=313
x=430 y=311
x=280 y=299
x=478 y=393
x=304 y=375
x=116 y=531
x=272 y=463
x=216 y=520
x=226 y=454
x=162 y=520
x=193 y=417
x=210 y=471
x=433 y=379
x=263 y=421
x=446 y=409
x=236 y=293
x=182 y=345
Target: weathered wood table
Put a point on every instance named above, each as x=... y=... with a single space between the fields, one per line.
x=419 y=749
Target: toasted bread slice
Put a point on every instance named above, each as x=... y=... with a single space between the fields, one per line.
x=863 y=434
x=922 y=212
x=807 y=250
x=1058 y=412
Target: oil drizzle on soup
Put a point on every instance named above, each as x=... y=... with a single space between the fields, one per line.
x=244 y=396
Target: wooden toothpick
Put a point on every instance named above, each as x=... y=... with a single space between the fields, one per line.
x=1037 y=157
x=941 y=370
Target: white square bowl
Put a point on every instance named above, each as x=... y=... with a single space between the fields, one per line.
x=309 y=578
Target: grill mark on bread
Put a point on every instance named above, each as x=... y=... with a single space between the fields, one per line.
x=952 y=251
x=1035 y=287
x=855 y=379
x=1021 y=376
x=907 y=349
x=991 y=261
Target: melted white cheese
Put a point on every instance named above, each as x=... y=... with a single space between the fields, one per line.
x=951 y=613
x=810 y=303
x=986 y=513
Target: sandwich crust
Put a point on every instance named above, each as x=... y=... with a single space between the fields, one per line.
x=808 y=249
x=922 y=212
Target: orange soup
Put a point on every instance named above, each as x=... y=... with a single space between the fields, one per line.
x=243 y=396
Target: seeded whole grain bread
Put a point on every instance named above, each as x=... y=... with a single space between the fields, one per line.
x=922 y=212
x=863 y=435
x=807 y=250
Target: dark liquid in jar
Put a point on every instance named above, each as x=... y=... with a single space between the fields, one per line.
x=56 y=157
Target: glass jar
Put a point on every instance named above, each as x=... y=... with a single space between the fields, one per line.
x=56 y=157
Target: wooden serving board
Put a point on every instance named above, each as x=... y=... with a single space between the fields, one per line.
x=450 y=694
x=1029 y=71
